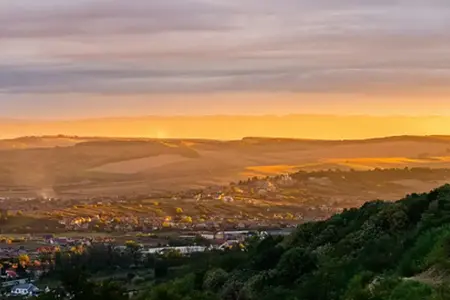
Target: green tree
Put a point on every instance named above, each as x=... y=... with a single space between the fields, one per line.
x=295 y=263
x=214 y=280
x=411 y=290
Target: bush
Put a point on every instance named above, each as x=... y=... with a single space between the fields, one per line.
x=214 y=280
x=411 y=290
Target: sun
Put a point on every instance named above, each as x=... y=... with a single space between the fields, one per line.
x=161 y=134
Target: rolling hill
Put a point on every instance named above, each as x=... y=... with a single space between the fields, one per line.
x=101 y=166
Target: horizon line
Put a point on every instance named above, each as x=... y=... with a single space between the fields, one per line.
x=389 y=137
x=187 y=116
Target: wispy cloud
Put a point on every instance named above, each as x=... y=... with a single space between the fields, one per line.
x=178 y=46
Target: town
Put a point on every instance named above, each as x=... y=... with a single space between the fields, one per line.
x=257 y=203
x=35 y=231
x=252 y=205
x=25 y=262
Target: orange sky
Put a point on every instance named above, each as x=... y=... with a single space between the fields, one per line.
x=70 y=106
x=95 y=58
x=236 y=127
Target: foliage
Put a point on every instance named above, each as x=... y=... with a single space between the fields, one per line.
x=381 y=251
x=214 y=280
x=76 y=284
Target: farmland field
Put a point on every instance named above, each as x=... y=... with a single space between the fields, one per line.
x=92 y=167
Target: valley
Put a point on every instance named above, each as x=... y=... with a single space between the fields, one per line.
x=104 y=184
x=67 y=167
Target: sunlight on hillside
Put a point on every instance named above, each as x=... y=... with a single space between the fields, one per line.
x=390 y=162
x=273 y=169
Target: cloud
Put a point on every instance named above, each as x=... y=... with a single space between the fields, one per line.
x=23 y=19
x=107 y=80
x=179 y=46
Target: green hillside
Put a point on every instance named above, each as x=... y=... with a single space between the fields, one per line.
x=383 y=250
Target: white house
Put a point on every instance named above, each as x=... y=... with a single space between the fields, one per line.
x=24 y=290
x=228 y=199
x=182 y=250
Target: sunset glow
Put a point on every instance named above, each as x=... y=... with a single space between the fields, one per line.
x=91 y=59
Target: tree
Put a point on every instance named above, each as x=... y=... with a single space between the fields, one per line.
x=231 y=290
x=214 y=280
x=358 y=287
x=4 y=214
x=294 y=263
x=75 y=283
x=265 y=254
x=161 y=268
x=24 y=259
x=134 y=250
x=411 y=290
x=257 y=285
x=187 y=219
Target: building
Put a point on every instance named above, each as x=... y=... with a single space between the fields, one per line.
x=25 y=290
x=228 y=199
x=10 y=274
x=182 y=250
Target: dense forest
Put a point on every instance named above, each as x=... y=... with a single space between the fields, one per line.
x=381 y=251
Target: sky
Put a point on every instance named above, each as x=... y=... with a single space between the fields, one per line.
x=100 y=58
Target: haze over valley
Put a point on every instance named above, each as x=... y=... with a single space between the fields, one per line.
x=79 y=166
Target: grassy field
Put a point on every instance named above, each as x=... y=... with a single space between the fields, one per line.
x=91 y=167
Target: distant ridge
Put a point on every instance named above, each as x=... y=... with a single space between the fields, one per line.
x=78 y=165
x=414 y=138
x=315 y=127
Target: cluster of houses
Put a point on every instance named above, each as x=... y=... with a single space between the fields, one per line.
x=183 y=222
x=106 y=218
x=17 y=281
x=13 y=284
x=103 y=214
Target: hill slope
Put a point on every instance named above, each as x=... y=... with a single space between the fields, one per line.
x=99 y=166
x=381 y=251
